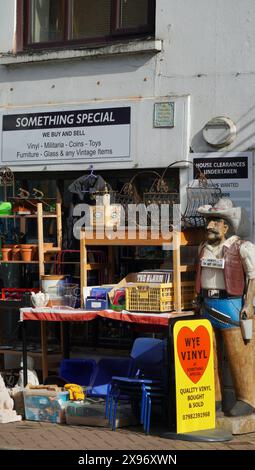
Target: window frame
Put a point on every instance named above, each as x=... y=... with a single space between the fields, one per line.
x=148 y=28
x=116 y=34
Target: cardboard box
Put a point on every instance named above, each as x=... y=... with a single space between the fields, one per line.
x=157 y=276
x=45 y=405
x=91 y=412
x=105 y=216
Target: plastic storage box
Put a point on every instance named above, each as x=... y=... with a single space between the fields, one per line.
x=92 y=413
x=157 y=298
x=45 y=405
x=96 y=304
x=98 y=299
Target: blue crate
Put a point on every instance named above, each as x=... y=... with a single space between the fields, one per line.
x=93 y=303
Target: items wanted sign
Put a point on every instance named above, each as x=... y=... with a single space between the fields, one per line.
x=231 y=172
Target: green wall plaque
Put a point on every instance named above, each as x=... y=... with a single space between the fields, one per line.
x=164 y=114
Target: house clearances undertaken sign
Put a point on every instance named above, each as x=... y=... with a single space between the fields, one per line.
x=101 y=134
x=232 y=173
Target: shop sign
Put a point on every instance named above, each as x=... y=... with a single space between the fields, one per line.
x=232 y=173
x=194 y=376
x=111 y=134
x=72 y=135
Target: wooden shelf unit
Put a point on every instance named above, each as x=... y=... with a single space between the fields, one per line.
x=41 y=250
x=138 y=238
x=40 y=216
x=31 y=216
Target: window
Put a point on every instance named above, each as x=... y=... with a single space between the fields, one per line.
x=56 y=23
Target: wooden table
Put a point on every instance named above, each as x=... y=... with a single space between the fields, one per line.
x=71 y=315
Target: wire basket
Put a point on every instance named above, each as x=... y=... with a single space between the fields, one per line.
x=201 y=192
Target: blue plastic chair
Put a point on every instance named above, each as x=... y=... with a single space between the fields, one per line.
x=151 y=395
x=77 y=371
x=102 y=376
x=146 y=380
x=132 y=391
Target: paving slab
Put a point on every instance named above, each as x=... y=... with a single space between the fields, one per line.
x=30 y=435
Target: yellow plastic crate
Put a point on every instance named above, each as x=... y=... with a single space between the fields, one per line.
x=157 y=298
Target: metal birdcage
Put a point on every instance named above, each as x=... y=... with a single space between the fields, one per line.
x=201 y=191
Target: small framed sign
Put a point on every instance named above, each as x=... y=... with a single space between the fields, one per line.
x=164 y=114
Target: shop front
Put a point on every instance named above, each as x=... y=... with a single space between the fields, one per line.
x=120 y=147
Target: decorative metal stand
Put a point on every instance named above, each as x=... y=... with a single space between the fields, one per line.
x=129 y=193
x=7 y=180
x=201 y=192
x=161 y=200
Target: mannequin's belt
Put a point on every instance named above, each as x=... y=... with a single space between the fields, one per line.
x=217 y=294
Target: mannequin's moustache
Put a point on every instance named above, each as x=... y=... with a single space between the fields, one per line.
x=210 y=230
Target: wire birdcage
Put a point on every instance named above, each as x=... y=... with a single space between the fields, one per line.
x=201 y=191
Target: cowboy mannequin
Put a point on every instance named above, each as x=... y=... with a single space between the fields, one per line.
x=225 y=284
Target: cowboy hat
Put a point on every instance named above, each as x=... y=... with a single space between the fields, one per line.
x=225 y=209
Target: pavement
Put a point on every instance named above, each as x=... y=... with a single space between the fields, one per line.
x=32 y=435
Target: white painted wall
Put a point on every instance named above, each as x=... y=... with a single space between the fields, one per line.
x=208 y=53
x=7 y=25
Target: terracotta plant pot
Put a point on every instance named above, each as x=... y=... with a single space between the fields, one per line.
x=16 y=253
x=26 y=254
x=33 y=247
x=6 y=254
x=34 y=252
